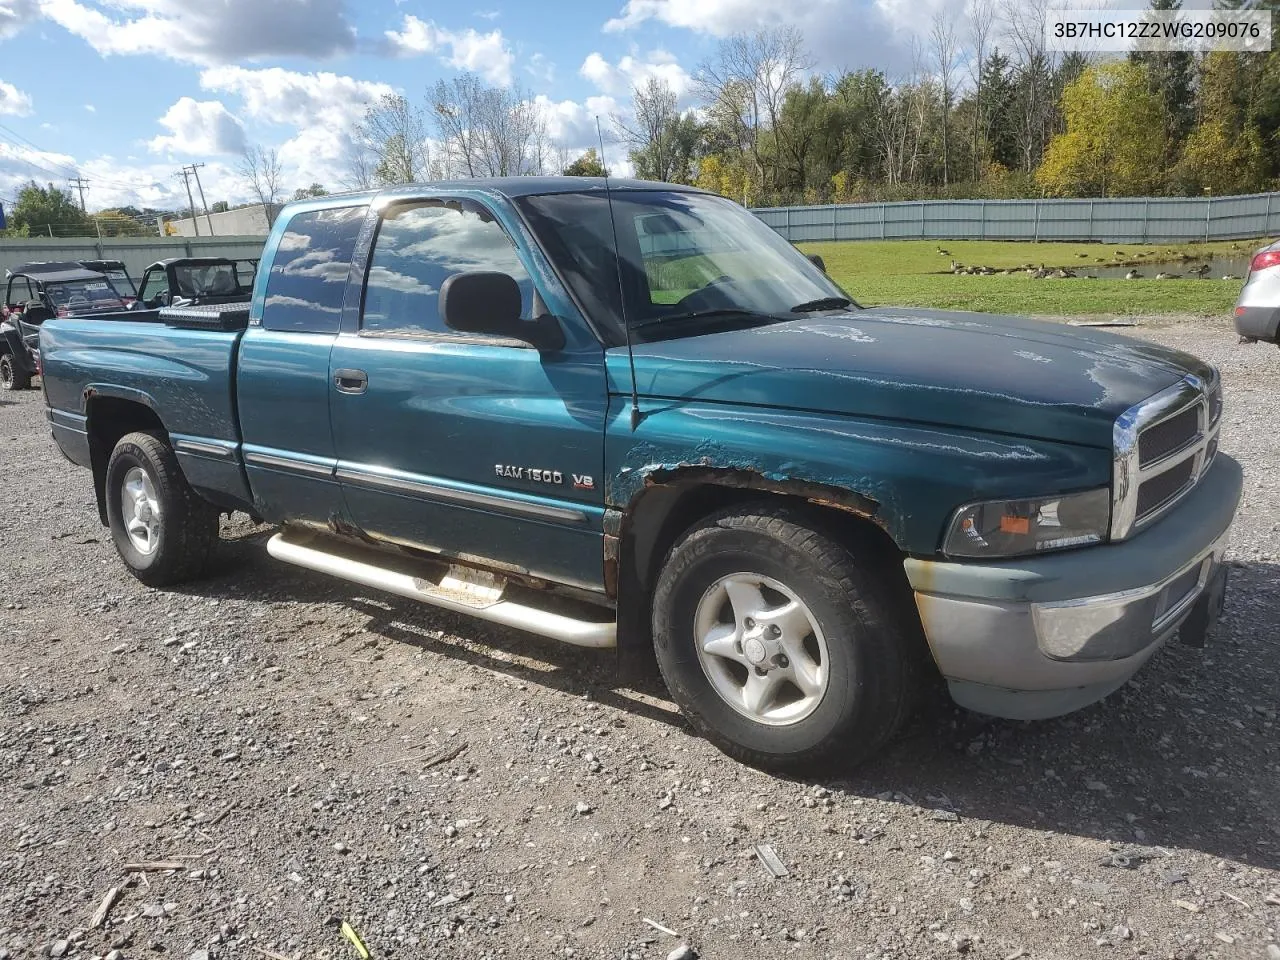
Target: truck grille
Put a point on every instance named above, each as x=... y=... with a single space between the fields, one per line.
x=1163 y=446
x=1169 y=436
x=1163 y=487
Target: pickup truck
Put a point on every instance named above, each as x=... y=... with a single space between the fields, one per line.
x=627 y=414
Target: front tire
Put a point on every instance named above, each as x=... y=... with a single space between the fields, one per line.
x=780 y=646
x=163 y=531
x=11 y=378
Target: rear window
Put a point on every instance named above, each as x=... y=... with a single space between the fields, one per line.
x=309 y=272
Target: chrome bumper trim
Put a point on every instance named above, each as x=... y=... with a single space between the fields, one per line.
x=1118 y=625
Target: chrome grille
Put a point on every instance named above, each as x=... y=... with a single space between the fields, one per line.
x=1163 y=446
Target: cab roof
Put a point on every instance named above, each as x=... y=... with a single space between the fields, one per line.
x=509 y=187
x=53 y=271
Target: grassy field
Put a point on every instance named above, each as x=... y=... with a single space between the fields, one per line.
x=914 y=273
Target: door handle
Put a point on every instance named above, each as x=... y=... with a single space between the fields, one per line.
x=351 y=381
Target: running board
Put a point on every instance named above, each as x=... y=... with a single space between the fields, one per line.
x=462 y=591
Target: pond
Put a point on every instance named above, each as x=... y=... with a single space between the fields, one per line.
x=1211 y=268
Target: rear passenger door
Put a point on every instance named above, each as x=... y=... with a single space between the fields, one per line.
x=283 y=374
x=472 y=446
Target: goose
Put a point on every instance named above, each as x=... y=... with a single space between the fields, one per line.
x=1133 y=275
x=1166 y=276
x=1202 y=270
x=1231 y=276
x=943 y=253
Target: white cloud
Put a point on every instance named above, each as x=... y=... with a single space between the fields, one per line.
x=115 y=183
x=541 y=68
x=91 y=108
x=16 y=14
x=199 y=127
x=488 y=14
x=417 y=37
x=631 y=71
x=14 y=101
x=486 y=54
x=276 y=95
x=207 y=33
x=839 y=33
x=573 y=125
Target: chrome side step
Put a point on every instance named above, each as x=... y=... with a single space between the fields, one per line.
x=460 y=591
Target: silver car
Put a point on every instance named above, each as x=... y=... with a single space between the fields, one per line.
x=1258 y=309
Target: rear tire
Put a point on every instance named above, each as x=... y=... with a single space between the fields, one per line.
x=163 y=531
x=11 y=378
x=819 y=677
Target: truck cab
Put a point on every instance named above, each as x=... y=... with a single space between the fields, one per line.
x=628 y=415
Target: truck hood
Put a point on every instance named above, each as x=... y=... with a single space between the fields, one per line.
x=973 y=371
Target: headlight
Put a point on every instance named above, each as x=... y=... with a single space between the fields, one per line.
x=1010 y=528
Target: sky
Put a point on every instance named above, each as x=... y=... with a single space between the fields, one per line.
x=125 y=92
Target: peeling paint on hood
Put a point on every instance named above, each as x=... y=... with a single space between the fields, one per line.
x=983 y=372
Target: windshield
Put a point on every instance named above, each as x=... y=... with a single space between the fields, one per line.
x=210 y=280
x=83 y=296
x=121 y=281
x=686 y=258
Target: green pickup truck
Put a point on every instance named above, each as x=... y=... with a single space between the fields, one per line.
x=630 y=415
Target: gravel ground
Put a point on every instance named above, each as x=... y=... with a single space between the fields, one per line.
x=277 y=737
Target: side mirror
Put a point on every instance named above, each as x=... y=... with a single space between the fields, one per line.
x=489 y=303
x=818 y=262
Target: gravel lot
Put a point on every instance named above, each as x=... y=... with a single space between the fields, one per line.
x=272 y=732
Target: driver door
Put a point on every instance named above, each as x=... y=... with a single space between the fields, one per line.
x=466 y=445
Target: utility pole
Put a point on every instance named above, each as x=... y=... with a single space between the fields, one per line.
x=81 y=183
x=185 y=174
x=207 y=219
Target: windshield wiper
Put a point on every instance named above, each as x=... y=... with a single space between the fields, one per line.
x=822 y=303
x=700 y=314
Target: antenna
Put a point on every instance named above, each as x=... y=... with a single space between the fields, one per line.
x=622 y=292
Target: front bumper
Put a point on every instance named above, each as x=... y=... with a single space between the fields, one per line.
x=1042 y=636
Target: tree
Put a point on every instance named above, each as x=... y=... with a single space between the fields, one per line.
x=982 y=14
x=315 y=190
x=489 y=131
x=391 y=143
x=49 y=211
x=945 y=54
x=664 y=143
x=1114 y=142
x=219 y=206
x=1224 y=152
x=744 y=86
x=1170 y=74
x=587 y=165
x=260 y=170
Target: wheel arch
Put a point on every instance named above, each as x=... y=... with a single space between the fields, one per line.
x=111 y=416
x=639 y=537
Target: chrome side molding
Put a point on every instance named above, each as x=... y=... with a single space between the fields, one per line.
x=455 y=592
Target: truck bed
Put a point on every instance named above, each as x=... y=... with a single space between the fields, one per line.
x=185 y=376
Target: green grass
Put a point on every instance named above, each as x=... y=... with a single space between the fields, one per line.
x=913 y=273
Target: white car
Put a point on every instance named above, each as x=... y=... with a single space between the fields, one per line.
x=1258 y=309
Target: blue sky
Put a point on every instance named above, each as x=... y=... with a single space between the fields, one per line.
x=124 y=92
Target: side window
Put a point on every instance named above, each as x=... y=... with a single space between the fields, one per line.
x=309 y=272
x=421 y=245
